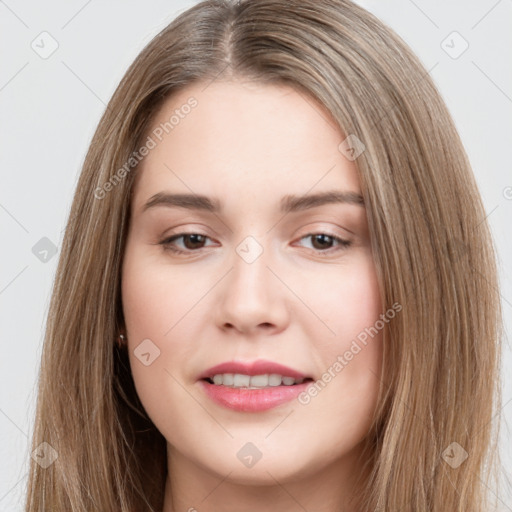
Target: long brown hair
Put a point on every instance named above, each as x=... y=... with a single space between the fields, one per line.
x=432 y=248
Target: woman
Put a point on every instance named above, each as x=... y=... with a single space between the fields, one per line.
x=205 y=350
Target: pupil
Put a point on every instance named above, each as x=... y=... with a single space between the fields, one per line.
x=196 y=239
x=324 y=238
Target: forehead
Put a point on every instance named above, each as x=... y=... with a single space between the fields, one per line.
x=243 y=140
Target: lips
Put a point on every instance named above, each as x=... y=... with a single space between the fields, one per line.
x=252 y=387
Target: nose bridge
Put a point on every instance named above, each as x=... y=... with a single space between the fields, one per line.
x=249 y=297
x=250 y=249
x=250 y=267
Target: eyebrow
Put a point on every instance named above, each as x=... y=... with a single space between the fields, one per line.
x=288 y=204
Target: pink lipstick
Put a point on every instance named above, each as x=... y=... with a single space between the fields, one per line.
x=252 y=386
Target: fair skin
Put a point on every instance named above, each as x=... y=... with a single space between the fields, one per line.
x=300 y=303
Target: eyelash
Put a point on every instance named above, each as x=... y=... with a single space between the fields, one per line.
x=343 y=244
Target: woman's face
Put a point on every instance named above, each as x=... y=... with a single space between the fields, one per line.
x=264 y=277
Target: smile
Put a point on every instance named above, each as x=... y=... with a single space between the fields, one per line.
x=252 y=387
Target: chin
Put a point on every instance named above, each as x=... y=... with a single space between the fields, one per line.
x=258 y=464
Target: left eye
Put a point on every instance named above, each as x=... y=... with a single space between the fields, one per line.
x=321 y=242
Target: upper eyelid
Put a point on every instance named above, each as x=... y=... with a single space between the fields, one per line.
x=309 y=231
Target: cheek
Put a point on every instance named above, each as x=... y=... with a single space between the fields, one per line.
x=159 y=304
x=351 y=358
x=153 y=301
x=154 y=296
x=349 y=302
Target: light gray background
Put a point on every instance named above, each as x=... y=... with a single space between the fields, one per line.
x=50 y=109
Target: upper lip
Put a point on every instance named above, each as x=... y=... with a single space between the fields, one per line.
x=259 y=367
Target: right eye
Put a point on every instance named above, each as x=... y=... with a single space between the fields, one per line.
x=191 y=241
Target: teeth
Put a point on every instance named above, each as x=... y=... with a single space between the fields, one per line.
x=274 y=379
x=259 y=381
x=239 y=380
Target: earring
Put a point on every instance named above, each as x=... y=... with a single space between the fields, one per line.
x=121 y=340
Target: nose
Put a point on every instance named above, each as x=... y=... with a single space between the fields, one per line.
x=251 y=300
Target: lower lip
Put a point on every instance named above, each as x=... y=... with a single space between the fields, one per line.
x=252 y=400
